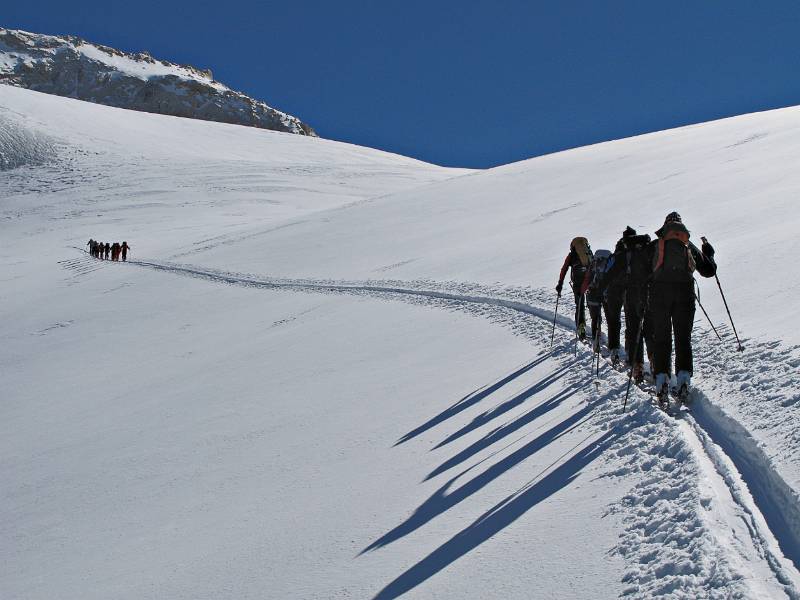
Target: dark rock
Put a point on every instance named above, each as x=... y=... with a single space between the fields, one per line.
x=69 y=66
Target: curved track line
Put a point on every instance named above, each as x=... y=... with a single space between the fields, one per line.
x=771 y=507
x=311 y=285
x=768 y=506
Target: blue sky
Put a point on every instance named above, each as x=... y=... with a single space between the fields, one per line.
x=468 y=83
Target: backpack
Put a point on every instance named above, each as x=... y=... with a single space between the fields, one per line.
x=601 y=263
x=673 y=260
x=580 y=246
x=637 y=259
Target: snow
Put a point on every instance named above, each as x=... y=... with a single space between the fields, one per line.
x=326 y=371
x=7 y=62
x=141 y=69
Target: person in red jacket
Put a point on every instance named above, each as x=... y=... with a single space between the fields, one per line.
x=578 y=261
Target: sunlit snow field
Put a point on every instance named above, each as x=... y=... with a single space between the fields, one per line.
x=326 y=371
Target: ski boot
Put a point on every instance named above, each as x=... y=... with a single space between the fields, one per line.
x=662 y=390
x=615 y=358
x=582 y=332
x=683 y=386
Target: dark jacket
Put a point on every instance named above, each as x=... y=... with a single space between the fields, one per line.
x=631 y=263
x=674 y=258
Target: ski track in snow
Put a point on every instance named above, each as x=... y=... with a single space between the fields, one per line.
x=690 y=522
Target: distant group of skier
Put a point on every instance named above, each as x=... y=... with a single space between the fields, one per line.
x=106 y=251
x=653 y=280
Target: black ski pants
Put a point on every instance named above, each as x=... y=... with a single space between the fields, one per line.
x=672 y=307
x=580 y=307
x=635 y=308
x=615 y=297
x=595 y=314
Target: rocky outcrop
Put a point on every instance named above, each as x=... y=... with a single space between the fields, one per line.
x=69 y=66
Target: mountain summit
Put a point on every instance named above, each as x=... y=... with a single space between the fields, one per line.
x=70 y=66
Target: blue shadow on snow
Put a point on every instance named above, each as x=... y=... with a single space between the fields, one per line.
x=498 y=517
x=470 y=400
x=441 y=501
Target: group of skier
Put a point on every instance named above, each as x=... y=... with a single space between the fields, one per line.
x=653 y=280
x=106 y=251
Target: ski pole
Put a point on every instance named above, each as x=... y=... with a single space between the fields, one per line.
x=697 y=297
x=636 y=346
x=597 y=341
x=596 y=359
x=577 y=313
x=596 y=347
x=555 y=316
x=728 y=310
x=633 y=364
x=599 y=334
x=738 y=341
x=597 y=374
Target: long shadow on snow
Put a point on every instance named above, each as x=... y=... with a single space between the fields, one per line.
x=441 y=501
x=501 y=432
x=506 y=406
x=499 y=517
x=471 y=399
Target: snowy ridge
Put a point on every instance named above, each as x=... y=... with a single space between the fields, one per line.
x=72 y=67
x=726 y=491
x=96 y=157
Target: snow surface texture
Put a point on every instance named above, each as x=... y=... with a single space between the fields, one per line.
x=21 y=146
x=72 y=67
x=326 y=372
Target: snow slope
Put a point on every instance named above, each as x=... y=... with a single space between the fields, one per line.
x=326 y=372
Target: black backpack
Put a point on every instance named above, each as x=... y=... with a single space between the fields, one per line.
x=637 y=258
x=673 y=260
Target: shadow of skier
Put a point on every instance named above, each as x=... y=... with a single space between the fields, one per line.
x=470 y=400
x=500 y=516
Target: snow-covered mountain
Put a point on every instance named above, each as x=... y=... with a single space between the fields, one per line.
x=72 y=67
x=326 y=371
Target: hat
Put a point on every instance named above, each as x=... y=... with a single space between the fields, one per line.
x=672 y=217
x=629 y=232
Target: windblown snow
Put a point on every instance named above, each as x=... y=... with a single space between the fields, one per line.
x=326 y=372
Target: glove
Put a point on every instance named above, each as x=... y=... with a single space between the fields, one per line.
x=558 y=288
x=708 y=250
